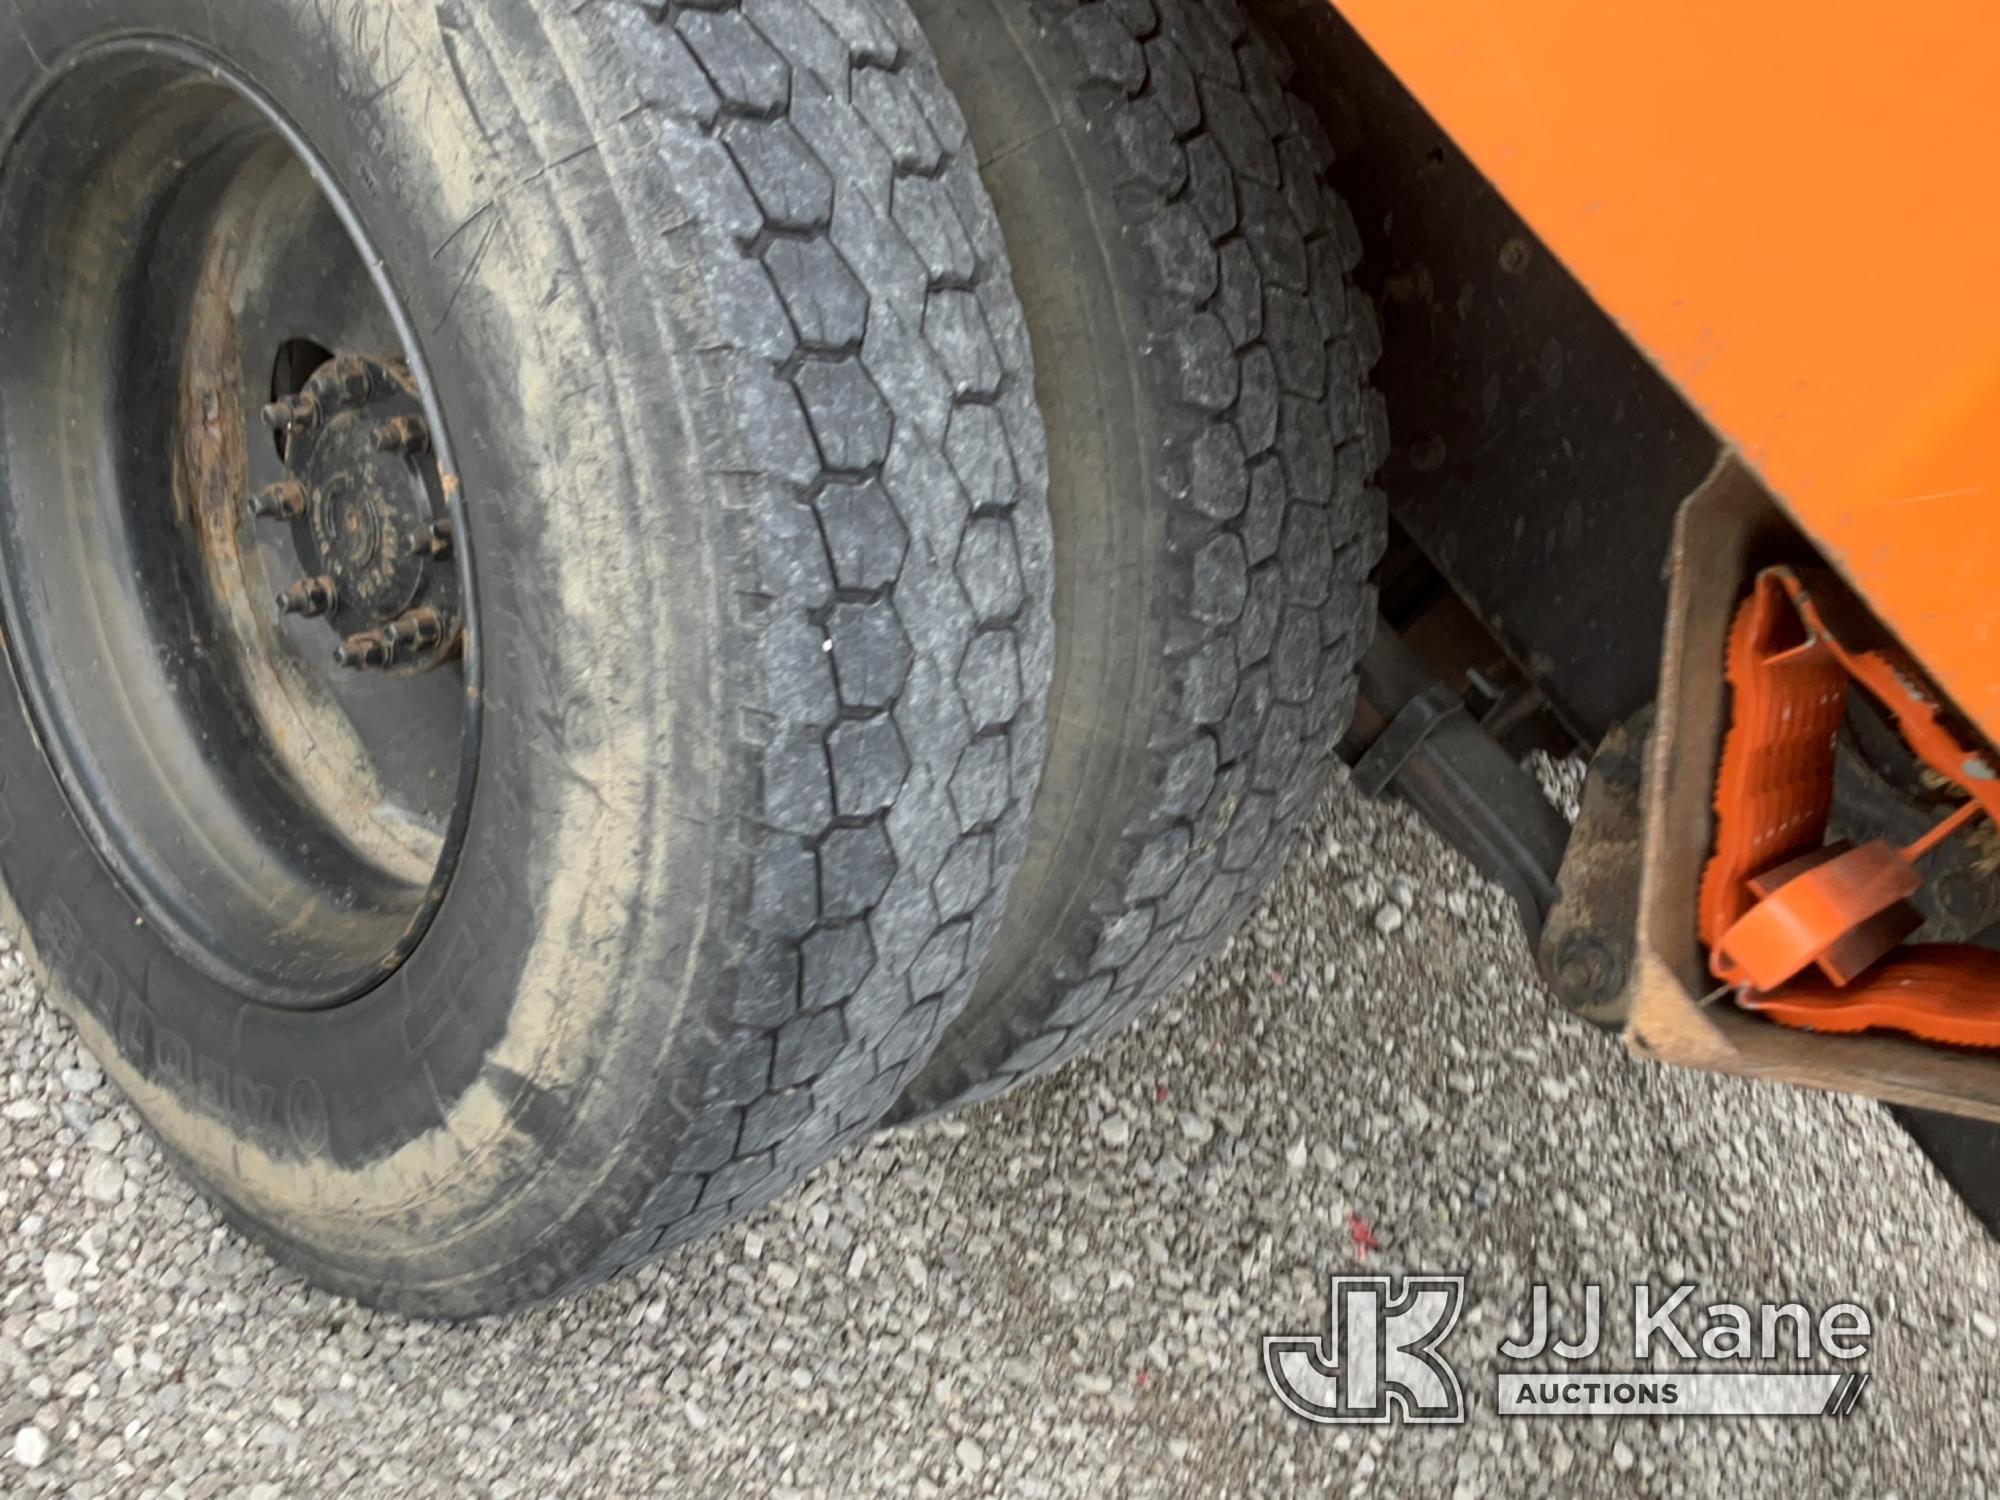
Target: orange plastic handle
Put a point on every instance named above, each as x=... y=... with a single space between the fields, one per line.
x=1807 y=915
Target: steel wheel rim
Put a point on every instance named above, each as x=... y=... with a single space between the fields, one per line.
x=288 y=828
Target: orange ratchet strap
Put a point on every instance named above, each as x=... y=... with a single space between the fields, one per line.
x=1809 y=933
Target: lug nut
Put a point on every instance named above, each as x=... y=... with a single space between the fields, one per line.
x=293 y=413
x=324 y=390
x=310 y=597
x=402 y=435
x=283 y=501
x=436 y=544
x=419 y=629
x=368 y=649
x=354 y=380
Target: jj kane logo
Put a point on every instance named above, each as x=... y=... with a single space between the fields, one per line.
x=1382 y=1357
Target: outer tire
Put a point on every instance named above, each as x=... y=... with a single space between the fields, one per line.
x=719 y=310
x=1201 y=357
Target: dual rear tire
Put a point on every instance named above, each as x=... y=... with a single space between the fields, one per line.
x=745 y=445
x=1201 y=359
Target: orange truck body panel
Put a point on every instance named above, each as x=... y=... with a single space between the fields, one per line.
x=1790 y=208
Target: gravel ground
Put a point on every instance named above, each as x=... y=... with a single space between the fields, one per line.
x=1061 y=1293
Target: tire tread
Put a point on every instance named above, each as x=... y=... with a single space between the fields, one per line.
x=860 y=293
x=1260 y=351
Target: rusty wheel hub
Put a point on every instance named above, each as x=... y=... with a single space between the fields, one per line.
x=367 y=508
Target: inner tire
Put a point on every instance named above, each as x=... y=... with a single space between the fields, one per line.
x=726 y=383
x=1201 y=358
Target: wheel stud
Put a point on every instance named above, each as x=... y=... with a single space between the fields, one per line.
x=310 y=597
x=283 y=501
x=420 y=629
x=368 y=649
x=402 y=435
x=293 y=413
x=437 y=544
